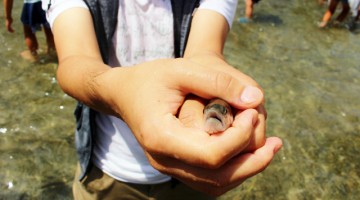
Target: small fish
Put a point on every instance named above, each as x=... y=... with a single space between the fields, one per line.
x=218 y=116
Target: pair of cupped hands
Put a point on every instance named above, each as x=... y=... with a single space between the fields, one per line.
x=163 y=104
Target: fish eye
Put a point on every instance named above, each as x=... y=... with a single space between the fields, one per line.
x=222 y=109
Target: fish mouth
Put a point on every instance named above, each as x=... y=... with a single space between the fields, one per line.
x=215 y=122
x=215 y=115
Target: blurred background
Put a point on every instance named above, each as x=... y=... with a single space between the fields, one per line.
x=311 y=81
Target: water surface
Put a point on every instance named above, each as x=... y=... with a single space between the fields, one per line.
x=310 y=77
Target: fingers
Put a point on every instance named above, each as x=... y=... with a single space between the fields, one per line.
x=234 y=140
x=228 y=176
x=249 y=164
x=198 y=148
x=259 y=136
x=191 y=115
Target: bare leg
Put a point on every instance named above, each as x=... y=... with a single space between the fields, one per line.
x=249 y=9
x=344 y=12
x=31 y=43
x=49 y=40
x=328 y=14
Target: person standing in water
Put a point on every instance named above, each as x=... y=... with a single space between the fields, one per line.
x=330 y=11
x=33 y=19
x=249 y=7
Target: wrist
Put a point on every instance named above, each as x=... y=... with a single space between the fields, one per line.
x=105 y=88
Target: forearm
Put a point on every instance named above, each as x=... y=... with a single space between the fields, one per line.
x=208 y=33
x=80 y=64
x=206 y=42
x=207 y=37
x=78 y=77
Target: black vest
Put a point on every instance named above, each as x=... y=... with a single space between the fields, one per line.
x=105 y=16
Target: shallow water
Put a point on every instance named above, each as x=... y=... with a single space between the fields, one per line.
x=310 y=77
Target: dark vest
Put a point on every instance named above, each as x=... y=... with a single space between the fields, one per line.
x=105 y=14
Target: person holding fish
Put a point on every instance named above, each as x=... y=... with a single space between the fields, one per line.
x=141 y=132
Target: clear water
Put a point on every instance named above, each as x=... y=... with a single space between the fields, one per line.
x=310 y=76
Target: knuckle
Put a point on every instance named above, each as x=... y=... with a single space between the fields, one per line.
x=223 y=82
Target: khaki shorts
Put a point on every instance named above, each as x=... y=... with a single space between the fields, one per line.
x=98 y=185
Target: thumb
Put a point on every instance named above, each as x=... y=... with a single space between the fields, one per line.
x=208 y=83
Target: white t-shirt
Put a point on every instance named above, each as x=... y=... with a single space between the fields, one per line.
x=144 y=32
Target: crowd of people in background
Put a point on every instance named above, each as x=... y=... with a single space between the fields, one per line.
x=348 y=6
x=33 y=19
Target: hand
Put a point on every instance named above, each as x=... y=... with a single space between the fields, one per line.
x=322 y=24
x=230 y=175
x=150 y=104
x=234 y=171
x=191 y=113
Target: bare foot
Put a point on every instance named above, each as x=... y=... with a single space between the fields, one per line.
x=30 y=56
x=322 y=24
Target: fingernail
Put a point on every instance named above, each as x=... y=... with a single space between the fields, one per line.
x=250 y=94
